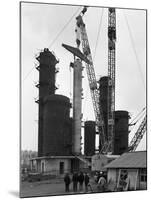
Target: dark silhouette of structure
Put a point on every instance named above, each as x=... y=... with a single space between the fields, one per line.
x=103 y=101
x=89 y=138
x=57 y=126
x=47 y=72
x=121 y=132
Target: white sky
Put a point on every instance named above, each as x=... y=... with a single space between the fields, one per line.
x=40 y=25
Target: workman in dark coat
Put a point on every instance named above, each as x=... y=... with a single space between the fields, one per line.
x=67 y=182
x=81 y=180
x=75 y=181
x=86 y=181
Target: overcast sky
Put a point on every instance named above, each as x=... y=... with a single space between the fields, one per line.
x=40 y=24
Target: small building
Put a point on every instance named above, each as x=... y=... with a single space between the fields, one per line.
x=59 y=165
x=128 y=172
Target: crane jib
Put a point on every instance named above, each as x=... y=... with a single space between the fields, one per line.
x=92 y=79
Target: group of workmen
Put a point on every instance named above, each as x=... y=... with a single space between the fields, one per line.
x=78 y=180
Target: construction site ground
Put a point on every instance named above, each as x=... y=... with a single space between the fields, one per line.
x=51 y=187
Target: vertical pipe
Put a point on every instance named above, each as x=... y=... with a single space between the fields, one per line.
x=77 y=88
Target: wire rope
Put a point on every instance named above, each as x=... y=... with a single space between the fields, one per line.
x=64 y=27
x=138 y=115
x=55 y=39
x=134 y=49
x=96 y=44
x=141 y=115
x=99 y=29
x=28 y=73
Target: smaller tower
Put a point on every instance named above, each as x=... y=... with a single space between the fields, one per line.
x=89 y=138
x=103 y=99
x=57 y=133
x=121 y=132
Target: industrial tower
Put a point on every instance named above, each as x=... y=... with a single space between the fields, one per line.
x=46 y=85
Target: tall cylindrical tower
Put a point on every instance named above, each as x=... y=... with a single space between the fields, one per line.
x=103 y=100
x=46 y=85
x=89 y=138
x=57 y=130
x=77 y=104
x=121 y=132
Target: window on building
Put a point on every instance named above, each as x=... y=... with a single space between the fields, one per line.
x=42 y=167
x=143 y=175
x=61 y=167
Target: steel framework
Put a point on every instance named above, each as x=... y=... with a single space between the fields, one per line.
x=92 y=80
x=138 y=135
x=111 y=75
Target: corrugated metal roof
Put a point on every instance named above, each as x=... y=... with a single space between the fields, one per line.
x=135 y=159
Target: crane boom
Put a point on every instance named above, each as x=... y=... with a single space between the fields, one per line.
x=91 y=77
x=138 y=135
x=107 y=145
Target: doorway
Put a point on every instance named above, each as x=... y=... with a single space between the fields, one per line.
x=42 y=167
x=61 y=168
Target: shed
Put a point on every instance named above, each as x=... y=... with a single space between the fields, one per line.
x=128 y=172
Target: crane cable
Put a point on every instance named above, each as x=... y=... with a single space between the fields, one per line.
x=138 y=115
x=28 y=73
x=134 y=49
x=96 y=44
x=64 y=27
x=141 y=114
x=55 y=39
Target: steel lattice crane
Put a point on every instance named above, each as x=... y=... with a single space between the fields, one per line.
x=81 y=33
x=138 y=135
x=111 y=76
x=106 y=145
